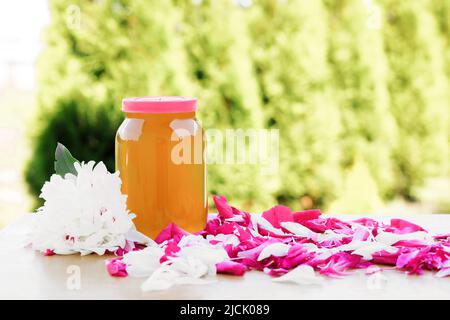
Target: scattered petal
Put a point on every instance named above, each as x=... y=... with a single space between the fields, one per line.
x=443 y=273
x=231 y=267
x=299 y=230
x=116 y=268
x=278 y=214
x=306 y=215
x=49 y=252
x=373 y=269
x=224 y=211
x=303 y=275
x=144 y=262
x=161 y=279
x=265 y=225
x=402 y=226
x=274 y=249
x=390 y=238
x=366 y=249
x=288 y=246
x=172 y=231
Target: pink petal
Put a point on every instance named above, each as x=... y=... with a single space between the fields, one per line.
x=211 y=227
x=361 y=234
x=227 y=228
x=306 y=215
x=275 y=272
x=316 y=225
x=129 y=246
x=223 y=208
x=406 y=259
x=340 y=262
x=247 y=219
x=170 y=251
x=373 y=269
x=297 y=255
x=121 y=251
x=244 y=234
x=321 y=225
x=116 y=268
x=278 y=214
x=248 y=254
x=172 y=231
x=338 y=225
x=266 y=233
x=231 y=267
x=411 y=244
x=367 y=222
x=49 y=252
x=401 y=226
x=442 y=237
x=384 y=257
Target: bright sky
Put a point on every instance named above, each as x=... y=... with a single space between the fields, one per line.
x=21 y=24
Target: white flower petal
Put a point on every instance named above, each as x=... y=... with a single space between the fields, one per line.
x=275 y=249
x=209 y=256
x=161 y=279
x=390 y=238
x=144 y=262
x=177 y=271
x=369 y=248
x=83 y=214
x=329 y=235
x=303 y=274
x=135 y=236
x=298 y=229
x=235 y=219
x=223 y=239
x=443 y=273
x=190 y=266
x=164 y=278
x=267 y=225
x=192 y=240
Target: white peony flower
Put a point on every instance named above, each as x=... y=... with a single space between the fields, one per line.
x=84 y=213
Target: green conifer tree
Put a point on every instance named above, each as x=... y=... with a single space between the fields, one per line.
x=441 y=10
x=341 y=80
x=97 y=53
x=419 y=93
x=218 y=46
x=359 y=80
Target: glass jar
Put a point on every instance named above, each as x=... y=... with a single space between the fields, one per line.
x=160 y=155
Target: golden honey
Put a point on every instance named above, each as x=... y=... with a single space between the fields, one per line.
x=160 y=156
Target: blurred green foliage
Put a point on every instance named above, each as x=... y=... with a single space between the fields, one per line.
x=353 y=86
x=419 y=91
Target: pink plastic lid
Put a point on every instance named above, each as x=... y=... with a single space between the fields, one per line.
x=159 y=104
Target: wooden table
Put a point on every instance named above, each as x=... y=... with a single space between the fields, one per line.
x=29 y=275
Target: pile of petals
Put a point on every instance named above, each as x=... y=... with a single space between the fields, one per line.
x=290 y=246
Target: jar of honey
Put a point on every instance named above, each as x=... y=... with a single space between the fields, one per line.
x=160 y=152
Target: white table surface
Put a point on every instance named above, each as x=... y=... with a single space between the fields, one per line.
x=29 y=275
